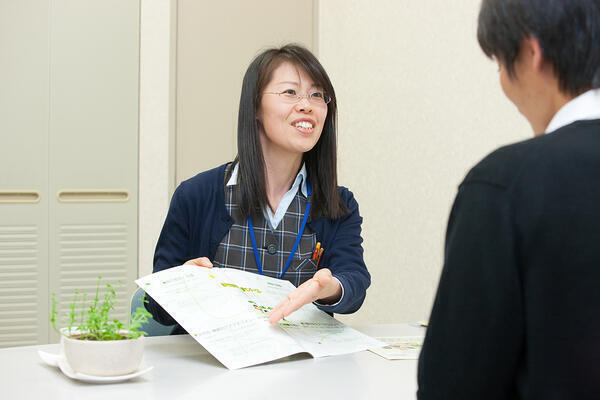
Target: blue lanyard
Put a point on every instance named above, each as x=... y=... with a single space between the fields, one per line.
x=289 y=260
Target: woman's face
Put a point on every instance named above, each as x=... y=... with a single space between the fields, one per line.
x=286 y=127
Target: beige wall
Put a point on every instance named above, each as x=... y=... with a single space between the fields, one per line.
x=215 y=43
x=418 y=105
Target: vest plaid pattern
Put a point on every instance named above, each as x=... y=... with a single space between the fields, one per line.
x=235 y=249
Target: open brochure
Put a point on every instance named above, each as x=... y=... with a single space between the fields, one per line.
x=225 y=310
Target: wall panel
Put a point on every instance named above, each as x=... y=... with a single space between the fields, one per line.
x=24 y=81
x=215 y=44
x=68 y=156
x=93 y=128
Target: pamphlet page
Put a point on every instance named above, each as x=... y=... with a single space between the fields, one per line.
x=226 y=311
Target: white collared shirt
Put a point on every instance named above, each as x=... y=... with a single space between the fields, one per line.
x=586 y=106
x=286 y=200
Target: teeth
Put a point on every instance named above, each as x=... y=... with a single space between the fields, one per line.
x=303 y=124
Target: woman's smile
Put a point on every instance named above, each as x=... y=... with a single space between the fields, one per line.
x=304 y=125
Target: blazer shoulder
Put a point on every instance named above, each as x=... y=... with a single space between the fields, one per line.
x=204 y=181
x=347 y=197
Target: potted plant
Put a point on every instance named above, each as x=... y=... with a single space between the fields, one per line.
x=94 y=343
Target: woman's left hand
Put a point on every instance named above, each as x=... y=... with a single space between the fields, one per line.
x=321 y=286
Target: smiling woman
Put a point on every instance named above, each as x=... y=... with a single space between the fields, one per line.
x=290 y=123
x=276 y=209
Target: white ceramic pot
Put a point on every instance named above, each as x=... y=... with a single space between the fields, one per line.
x=103 y=358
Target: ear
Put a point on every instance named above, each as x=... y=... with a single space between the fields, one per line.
x=533 y=51
x=258 y=115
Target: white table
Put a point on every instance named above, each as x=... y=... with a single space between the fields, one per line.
x=184 y=370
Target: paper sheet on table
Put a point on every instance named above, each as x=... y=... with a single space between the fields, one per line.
x=400 y=348
x=225 y=310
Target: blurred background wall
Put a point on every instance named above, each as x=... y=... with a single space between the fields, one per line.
x=419 y=104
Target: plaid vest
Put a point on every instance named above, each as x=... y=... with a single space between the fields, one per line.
x=274 y=246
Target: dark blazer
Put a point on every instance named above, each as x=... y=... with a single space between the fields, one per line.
x=198 y=219
x=517 y=312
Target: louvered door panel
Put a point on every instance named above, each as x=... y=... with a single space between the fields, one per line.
x=24 y=111
x=87 y=252
x=68 y=156
x=20 y=286
x=94 y=147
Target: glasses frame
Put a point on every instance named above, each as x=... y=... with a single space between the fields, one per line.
x=287 y=96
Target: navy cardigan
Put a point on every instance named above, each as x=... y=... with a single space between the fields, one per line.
x=197 y=221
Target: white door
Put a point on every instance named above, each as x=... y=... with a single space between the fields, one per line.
x=68 y=157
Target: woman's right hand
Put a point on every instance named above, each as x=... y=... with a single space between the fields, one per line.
x=201 y=262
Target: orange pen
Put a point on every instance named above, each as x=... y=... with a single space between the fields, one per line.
x=316 y=252
x=321 y=250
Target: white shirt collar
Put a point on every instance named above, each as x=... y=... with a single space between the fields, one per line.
x=583 y=107
x=300 y=178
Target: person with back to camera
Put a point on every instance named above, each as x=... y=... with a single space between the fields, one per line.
x=516 y=314
x=266 y=211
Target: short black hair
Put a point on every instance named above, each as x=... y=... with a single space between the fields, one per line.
x=320 y=161
x=568 y=32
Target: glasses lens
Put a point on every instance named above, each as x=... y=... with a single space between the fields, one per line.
x=289 y=96
x=319 y=97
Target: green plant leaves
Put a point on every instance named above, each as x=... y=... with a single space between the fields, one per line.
x=96 y=324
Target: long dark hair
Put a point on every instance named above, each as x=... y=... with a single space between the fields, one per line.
x=321 y=160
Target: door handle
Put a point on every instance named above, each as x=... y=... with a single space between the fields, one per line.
x=19 y=196
x=92 y=196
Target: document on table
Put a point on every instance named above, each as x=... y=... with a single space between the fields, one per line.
x=226 y=311
x=400 y=348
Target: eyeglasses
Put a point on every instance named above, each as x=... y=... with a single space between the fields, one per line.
x=290 y=96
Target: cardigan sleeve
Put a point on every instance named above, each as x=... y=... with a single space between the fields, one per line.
x=475 y=334
x=343 y=255
x=172 y=248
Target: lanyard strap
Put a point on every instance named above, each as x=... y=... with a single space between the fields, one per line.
x=289 y=260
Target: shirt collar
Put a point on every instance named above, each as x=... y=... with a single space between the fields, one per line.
x=300 y=179
x=583 y=107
